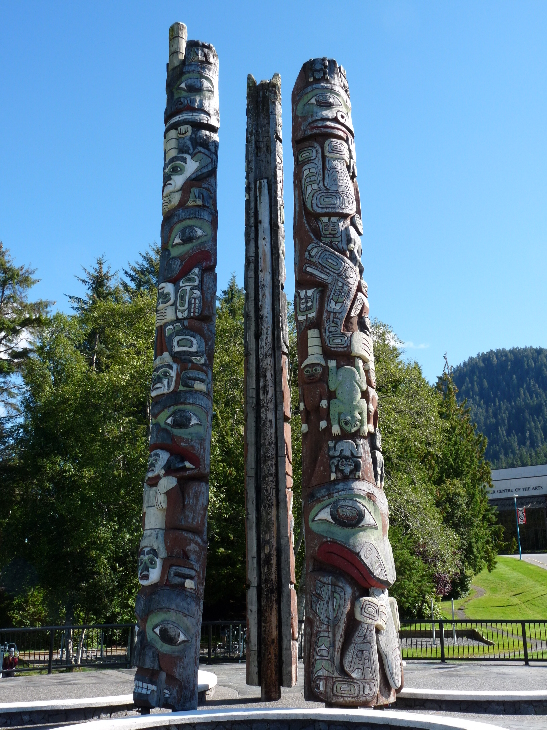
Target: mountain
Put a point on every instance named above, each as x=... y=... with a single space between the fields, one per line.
x=507 y=393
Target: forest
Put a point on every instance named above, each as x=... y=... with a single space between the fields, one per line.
x=506 y=391
x=73 y=452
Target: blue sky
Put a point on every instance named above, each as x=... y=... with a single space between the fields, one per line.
x=450 y=114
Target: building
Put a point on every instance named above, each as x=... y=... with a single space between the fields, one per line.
x=529 y=484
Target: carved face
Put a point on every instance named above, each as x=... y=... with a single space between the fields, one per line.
x=163 y=379
x=156 y=462
x=312 y=372
x=355 y=527
x=350 y=422
x=167 y=644
x=150 y=566
x=176 y=173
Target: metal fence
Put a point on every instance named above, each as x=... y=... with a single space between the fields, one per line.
x=54 y=648
x=475 y=640
x=223 y=641
x=439 y=640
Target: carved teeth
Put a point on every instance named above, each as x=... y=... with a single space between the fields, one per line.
x=143 y=688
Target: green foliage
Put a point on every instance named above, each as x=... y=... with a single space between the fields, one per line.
x=225 y=583
x=71 y=495
x=20 y=320
x=436 y=479
x=143 y=276
x=507 y=393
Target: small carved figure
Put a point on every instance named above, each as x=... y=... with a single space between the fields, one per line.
x=313 y=392
x=348 y=410
x=345 y=457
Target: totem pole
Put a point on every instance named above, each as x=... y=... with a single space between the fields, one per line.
x=352 y=655
x=272 y=622
x=173 y=548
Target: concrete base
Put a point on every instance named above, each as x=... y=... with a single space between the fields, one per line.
x=287 y=720
x=532 y=702
x=62 y=711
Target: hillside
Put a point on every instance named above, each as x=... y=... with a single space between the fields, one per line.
x=507 y=393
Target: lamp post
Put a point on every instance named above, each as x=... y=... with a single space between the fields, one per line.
x=518 y=529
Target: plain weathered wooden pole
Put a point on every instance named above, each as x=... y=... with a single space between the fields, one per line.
x=271 y=598
x=351 y=648
x=173 y=547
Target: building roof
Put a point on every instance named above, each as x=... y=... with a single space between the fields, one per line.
x=524 y=481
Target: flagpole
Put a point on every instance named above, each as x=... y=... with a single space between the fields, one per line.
x=518 y=529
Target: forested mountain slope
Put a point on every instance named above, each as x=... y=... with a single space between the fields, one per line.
x=507 y=393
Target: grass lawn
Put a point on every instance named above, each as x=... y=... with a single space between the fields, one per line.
x=514 y=590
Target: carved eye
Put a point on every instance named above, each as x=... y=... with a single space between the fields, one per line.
x=170 y=633
x=196 y=85
x=183 y=419
x=188 y=234
x=175 y=169
x=325 y=100
x=346 y=513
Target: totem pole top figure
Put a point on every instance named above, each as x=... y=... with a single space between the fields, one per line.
x=321 y=101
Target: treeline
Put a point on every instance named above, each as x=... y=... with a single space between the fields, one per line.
x=507 y=393
x=74 y=450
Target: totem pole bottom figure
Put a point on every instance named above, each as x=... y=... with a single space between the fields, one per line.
x=351 y=633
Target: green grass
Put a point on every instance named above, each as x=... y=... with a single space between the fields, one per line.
x=515 y=590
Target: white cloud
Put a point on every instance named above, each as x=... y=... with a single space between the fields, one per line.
x=411 y=346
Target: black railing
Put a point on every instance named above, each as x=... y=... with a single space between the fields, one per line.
x=492 y=640
x=223 y=641
x=54 y=648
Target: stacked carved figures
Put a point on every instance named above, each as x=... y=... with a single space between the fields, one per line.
x=172 y=552
x=352 y=655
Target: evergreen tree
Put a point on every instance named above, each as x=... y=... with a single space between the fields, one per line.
x=507 y=393
x=462 y=476
x=20 y=321
x=143 y=275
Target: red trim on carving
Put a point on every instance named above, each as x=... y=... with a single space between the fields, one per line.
x=176 y=449
x=199 y=257
x=333 y=553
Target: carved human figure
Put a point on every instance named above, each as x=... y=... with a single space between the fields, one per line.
x=172 y=550
x=352 y=655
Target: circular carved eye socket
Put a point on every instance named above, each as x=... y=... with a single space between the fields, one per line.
x=169 y=633
x=347 y=512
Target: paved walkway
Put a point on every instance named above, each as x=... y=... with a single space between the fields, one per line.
x=537 y=559
x=232 y=692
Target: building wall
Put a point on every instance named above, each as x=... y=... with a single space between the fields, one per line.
x=529 y=483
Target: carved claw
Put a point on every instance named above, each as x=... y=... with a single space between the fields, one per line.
x=336 y=430
x=332 y=363
x=322 y=425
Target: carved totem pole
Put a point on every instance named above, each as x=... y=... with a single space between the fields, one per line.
x=272 y=622
x=172 y=552
x=352 y=655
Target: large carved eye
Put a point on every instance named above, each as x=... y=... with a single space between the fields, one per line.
x=188 y=234
x=346 y=513
x=170 y=633
x=196 y=85
x=182 y=418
